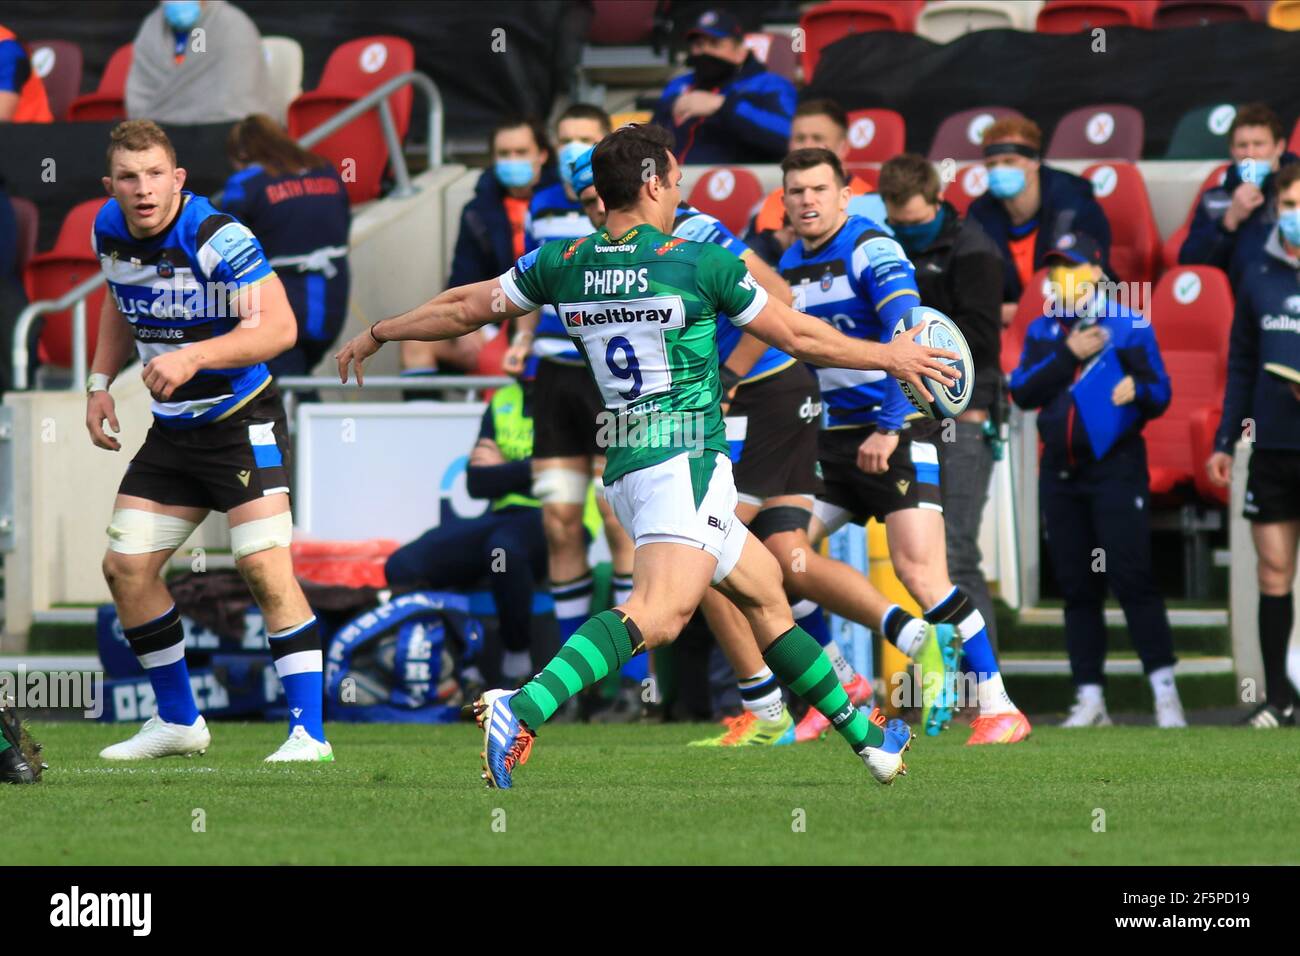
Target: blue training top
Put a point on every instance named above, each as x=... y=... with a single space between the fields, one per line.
x=179 y=287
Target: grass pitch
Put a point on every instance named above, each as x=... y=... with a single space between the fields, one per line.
x=637 y=795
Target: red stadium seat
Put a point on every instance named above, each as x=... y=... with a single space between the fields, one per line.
x=1204 y=423
x=51 y=274
x=1191 y=316
x=968 y=184
x=1294 y=142
x=1104 y=131
x=29 y=224
x=621 y=22
x=1074 y=16
x=1033 y=303
x=875 y=136
x=1200 y=13
x=1169 y=251
x=108 y=102
x=58 y=63
x=1135 y=242
x=776 y=52
x=729 y=193
x=959 y=137
x=352 y=70
x=867 y=172
x=825 y=23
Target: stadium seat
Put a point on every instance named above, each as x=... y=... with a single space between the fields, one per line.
x=1191 y=315
x=1200 y=13
x=28 y=219
x=968 y=184
x=776 y=52
x=1135 y=241
x=875 y=136
x=1169 y=251
x=1294 y=141
x=352 y=70
x=58 y=63
x=1202 y=133
x=946 y=20
x=1204 y=424
x=284 y=67
x=51 y=274
x=1284 y=15
x=869 y=173
x=729 y=193
x=827 y=22
x=1074 y=16
x=1033 y=302
x=621 y=22
x=959 y=136
x=1103 y=131
x=108 y=102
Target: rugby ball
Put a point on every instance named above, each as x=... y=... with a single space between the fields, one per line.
x=940 y=332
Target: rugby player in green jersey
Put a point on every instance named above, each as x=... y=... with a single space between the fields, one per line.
x=642 y=307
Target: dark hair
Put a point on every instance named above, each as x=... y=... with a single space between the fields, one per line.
x=1285 y=176
x=587 y=112
x=824 y=107
x=621 y=160
x=811 y=158
x=136 y=136
x=535 y=126
x=908 y=175
x=260 y=139
x=1256 y=114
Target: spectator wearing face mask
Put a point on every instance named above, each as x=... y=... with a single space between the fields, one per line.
x=197 y=61
x=958 y=272
x=1233 y=221
x=728 y=109
x=1029 y=206
x=22 y=94
x=491 y=235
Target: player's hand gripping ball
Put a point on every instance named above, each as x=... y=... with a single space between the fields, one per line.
x=940 y=332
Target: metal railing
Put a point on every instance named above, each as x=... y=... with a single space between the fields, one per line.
x=376 y=99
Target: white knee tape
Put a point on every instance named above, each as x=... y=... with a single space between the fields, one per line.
x=133 y=531
x=832 y=516
x=559 y=486
x=261 y=535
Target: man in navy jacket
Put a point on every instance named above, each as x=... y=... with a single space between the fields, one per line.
x=1261 y=403
x=1095 y=510
x=1233 y=221
x=728 y=109
x=1029 y=206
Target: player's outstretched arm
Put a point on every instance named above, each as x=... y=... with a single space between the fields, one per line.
x=812 y=340
x=113 y=348
x=446 y=316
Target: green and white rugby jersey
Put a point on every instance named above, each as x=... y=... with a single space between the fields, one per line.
x=643 y=309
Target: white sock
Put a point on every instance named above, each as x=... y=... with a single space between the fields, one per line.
x=844 y=671
x=621 y=589
x=993 y=696
x=1091 y=694
x=912 y=636
x=515 y=665
x=1162 y=683
x=769 y=705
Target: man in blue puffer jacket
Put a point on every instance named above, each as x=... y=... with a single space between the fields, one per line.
x=1096 y=509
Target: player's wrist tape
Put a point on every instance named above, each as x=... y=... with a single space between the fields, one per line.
x=97 y=382
x=378 y=340
x=729 y=379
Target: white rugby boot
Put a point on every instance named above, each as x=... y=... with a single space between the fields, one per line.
x=158 y=738
x=1089 y=710
x=302 y=747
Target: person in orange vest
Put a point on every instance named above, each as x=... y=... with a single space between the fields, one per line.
x=823 y=123
x=22 y=94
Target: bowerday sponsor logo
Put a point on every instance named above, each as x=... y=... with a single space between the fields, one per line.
x=52 y=690
x=77 y=909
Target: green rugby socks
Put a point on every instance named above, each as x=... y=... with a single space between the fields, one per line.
x=600 y=646
x=799 y=663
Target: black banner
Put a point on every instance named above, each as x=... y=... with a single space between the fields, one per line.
x=1163 y=73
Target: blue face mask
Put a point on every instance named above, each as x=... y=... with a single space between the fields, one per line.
x=1288 y=223
x=182 y=14
x=570 y=153
x=1254 y=171
x=1006 y=182
x=514 y=173
x=917 y=236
